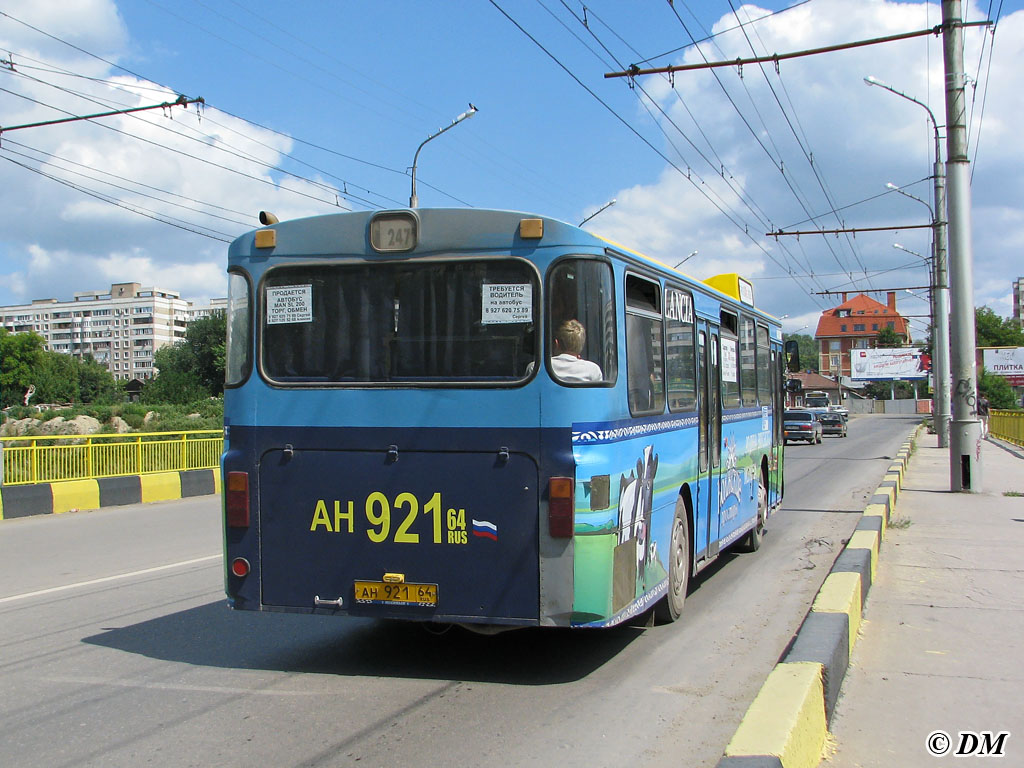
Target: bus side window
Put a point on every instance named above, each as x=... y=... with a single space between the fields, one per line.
x=764 y=367
x=748 y=362
x=680 y=356
x=581 y=323
x=644 y=357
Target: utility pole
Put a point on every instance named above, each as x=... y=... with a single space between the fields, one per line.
x=965 y=428
x=181 y=101
x=940 y=301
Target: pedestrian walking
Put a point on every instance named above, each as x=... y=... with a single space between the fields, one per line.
x=983 y=414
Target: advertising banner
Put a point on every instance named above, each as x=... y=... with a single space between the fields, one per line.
x=889 y=364
x=1007 y=362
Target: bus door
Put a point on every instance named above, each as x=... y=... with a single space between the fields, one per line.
x=709 y=444
x=775 y=484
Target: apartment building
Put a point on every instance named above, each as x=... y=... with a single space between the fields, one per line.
x=1018 y=301
x=121 y=328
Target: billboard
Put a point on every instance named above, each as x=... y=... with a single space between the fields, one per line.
x=888 y=364
x=1007 y=362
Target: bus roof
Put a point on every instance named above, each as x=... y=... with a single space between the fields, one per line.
x=444 y=229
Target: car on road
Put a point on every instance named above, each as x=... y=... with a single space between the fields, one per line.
x=801 y=425
x=833 y=424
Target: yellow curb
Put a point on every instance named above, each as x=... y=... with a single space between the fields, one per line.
x=71 y=495
x=894 y=477
x=866 y=540
x=841 y=593
x=787 y=719
x=890 y=492
x=161 y=486
x=878 y=510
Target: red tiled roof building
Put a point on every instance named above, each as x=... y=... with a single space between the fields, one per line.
x=855 y=324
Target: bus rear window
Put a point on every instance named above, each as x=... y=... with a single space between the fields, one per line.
x=401 y=322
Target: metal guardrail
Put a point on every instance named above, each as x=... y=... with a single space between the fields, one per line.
x=52 y=458
x=1007 y=425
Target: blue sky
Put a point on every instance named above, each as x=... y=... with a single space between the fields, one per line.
x=316 y=106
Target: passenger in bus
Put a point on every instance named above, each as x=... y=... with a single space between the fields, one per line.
x=567 y=362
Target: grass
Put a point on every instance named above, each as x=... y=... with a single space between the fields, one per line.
x=901 y=523
x=1015 y=494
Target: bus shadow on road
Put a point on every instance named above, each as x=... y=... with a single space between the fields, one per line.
x=212 y=635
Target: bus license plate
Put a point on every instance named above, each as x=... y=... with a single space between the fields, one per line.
x=388 y=593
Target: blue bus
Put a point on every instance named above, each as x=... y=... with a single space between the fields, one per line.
x=487 y=418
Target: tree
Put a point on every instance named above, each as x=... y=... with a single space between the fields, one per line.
x=95 y=383
x=56 y=378
x=997 y=390
x=207 y=338
x=192 y=369
x=177 y=381
x=888 y=339
x=991 y=330
x=883 y=390
x=808 y=351
x=20 y=354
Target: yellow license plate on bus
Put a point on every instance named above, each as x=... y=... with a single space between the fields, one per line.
x=389 y=593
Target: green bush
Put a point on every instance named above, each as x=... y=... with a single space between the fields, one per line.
x=168 y=417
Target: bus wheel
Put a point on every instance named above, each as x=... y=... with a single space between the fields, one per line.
x=670 y=607
x=752 y=541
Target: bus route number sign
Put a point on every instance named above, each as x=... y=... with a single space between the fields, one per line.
x=393 y=232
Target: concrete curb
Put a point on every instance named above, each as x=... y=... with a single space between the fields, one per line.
x=74 y=495
x=787 y=723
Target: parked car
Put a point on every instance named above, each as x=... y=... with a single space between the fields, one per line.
x=833 y=424
x=801 y=425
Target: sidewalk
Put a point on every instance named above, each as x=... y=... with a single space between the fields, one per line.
x=941 y=646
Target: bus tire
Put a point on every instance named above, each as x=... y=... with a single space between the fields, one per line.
x=670 y=607
x=752 y=541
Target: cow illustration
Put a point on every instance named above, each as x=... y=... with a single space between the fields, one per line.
x=636 y=498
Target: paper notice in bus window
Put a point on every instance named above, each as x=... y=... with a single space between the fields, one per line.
x=290 y=304
x=507 y=303
x=729 y=360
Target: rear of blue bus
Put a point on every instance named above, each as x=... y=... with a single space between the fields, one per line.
x=385 y=454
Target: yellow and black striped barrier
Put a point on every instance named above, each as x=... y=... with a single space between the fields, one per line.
x=46 y=474
x=75 y=495
x=787 y=723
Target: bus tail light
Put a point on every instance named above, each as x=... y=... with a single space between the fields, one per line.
x=236 y=500
x=561 y=507
x=240 y=567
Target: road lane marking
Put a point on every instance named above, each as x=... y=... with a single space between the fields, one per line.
x=183 y=688
x=105 y=579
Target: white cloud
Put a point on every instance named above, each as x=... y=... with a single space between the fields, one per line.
x=58 y=239
x=861 y=138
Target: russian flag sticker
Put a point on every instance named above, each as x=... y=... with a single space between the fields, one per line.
x=485 y=530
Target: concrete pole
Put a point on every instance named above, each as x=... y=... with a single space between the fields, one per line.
x=940 y=303
x=965 y=469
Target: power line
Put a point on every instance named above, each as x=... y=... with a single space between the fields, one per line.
x=633 y=130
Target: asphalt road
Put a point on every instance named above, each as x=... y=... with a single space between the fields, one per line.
x=117 y=649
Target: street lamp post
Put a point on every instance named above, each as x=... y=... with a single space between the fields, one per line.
x=940 y=278
x=933 y=318
x=413 y=199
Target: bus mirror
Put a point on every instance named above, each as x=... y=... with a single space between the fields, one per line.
x=792 y=356
x=794 y=386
